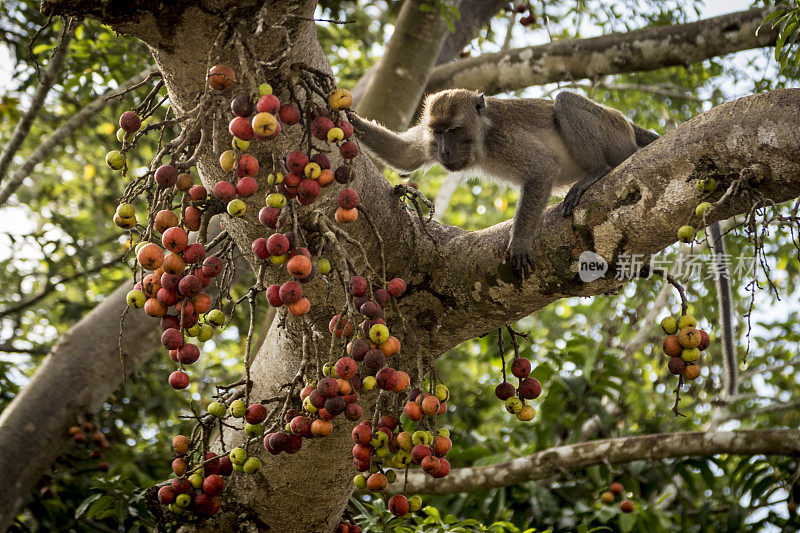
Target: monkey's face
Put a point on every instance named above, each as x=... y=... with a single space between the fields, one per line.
x=455 y=148
x=454 y=122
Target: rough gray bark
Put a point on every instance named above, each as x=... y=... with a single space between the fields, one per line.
x=80 y=372
x=617 y=53
x=475 y=14
x=86 y=364
x=552 y=462
x=636 y=209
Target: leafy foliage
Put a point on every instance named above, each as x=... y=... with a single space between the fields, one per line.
x=583 y=349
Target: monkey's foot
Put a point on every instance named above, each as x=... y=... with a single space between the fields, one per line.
x=571 y=199
x=521 y=262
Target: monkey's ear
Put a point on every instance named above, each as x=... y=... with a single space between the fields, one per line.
x=480 y=103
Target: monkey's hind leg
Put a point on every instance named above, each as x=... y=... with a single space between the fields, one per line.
x=598 y=139
x=576 y=191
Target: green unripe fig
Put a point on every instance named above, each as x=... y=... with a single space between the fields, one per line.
x=442 y=392
x=123 y=137
x=205 y=333
x=196 y=480
x=687 y=321
x=324 y=266
x=379 y=439
x=253 y=430
x=236 y=207
x=328 y=370
x=217 y=409
x=125 y=210
x=403 y=457
x=238 y=468
x=669 y=325
x=513 y=405
x=274 y=179
x=276 y=200
x=690 y=355
x=710 y=185
x=686 y=234
x=238 y=408
x=383 y=451
x=278 y=259
x=418 y=437
x=135 y=299
x=264 y=89
x=240 y=145
x=193 y=331
x=183 y=500
x=701 y=209
x=378 y=333
x=238 y=456
x=308 y=406
x=369 y=383
x=215 y=317
x=701 y=185
x=115 y=160
x=391 y=476
x=360 y=481
x=252 y=465
x=444 y=432
x=414 y=503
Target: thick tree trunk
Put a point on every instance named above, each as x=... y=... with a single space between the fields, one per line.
x=80 y=372
x=456 y=275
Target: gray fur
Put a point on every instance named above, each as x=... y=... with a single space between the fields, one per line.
x=532 y=143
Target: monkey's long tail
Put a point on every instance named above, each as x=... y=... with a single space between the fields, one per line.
x=725 y=304
x=643 y=136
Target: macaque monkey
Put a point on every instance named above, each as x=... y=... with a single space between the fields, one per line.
x=533 y=143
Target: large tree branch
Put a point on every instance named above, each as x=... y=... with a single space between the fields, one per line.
x=475 y=14
x=80 y=372
x=553 y=461
x=49 y=77
x=403 y=70
x=570 y=60
x=61 y=134
x=635 y=210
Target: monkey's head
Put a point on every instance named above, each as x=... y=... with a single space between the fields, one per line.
x=455 y=124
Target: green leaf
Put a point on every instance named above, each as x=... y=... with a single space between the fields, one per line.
x=627 y=521
x=99 y=507
x=85 y=504
x=40 y=48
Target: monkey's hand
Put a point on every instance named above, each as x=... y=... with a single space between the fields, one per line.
x=355 y=120
x=520 y=259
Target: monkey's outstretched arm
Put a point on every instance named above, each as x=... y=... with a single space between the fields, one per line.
x=405 y=151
